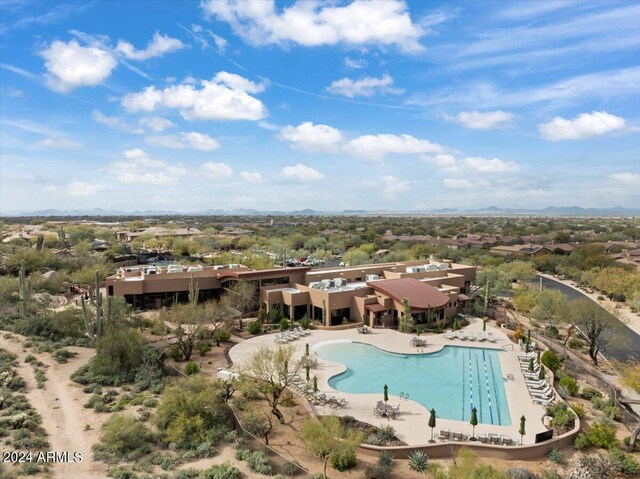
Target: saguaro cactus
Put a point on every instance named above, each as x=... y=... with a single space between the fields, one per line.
x=194 y=292
x=25 y=290
x=95 y=326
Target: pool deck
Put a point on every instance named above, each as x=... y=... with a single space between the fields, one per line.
x=411 y=423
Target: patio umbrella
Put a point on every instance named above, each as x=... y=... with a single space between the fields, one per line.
x=306 y=349
x=484 y=324
x=306 y=368
x=531 y=365
x=432 y=423
x=474 y=422
x=315 y=384
x=386 y=393
x=541 y=373
x=522 y=430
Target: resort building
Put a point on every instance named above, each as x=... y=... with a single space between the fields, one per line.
x=374 y=294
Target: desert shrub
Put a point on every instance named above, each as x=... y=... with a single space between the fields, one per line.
x=119 y=353
x=550 y=474
x=255 y=327
x=175 y=353
x=624 y=463
x=377 y=471
x=250 y=393
x=387 y=433
x=575 y=344
x=612 y=412
x=593 y=466
x=123 y=436
x=556 y=456
x=191 y=368
x=204 y=347
x=63 y=355
x=520 y=473
x=221 y=336
x=220 y=471
x=563 y=417
x=305 y=322
x=373 y=440
x=385 y=458
x=343 y=460
x=550 y=360
x=418 y=461
x=589 y=393
x=579 y=410
x=121 y=473
x=602 y=434
x=257 y=425
x=258 y=462
x=190 y=410
x=570 y=385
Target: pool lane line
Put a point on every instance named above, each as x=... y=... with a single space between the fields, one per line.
x=486 y=377
x=463 y=388
x=470 y=380
x=480 y=410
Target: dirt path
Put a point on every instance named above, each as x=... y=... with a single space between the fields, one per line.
x=60 y=405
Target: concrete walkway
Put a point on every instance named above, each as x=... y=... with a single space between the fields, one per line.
x=411 y=423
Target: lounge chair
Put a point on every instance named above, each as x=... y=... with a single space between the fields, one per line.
x=444 y=435
x=527 y=356
x=491 y=337
x=506 y=440
x=481 y=336
x=536 y=384
x=544 y=402
x=460 y=335
x=483 y=438
x=494 y=438
x=458 y=436
x=336 y=402
x=304 y=332
x=449 y=334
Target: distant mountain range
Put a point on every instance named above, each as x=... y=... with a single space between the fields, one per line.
x=490 y=211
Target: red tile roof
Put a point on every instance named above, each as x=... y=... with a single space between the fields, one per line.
x=419 y=294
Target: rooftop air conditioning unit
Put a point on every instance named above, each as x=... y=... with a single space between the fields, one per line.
x=372 y=277
x=327 y=283
x=339 y=282
x=218 y=266
x=233 y=266
x=315 y=285
x=174 y=268
x=412 y=269
x=192 y=269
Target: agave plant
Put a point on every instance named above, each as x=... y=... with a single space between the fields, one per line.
x=418 y=461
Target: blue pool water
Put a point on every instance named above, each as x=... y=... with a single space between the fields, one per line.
x=451 y=381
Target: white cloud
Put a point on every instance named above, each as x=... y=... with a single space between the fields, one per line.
x=441 y=161
x=156 y=123
x=464 y=183
x=394 y=186
x=115 y=123
x=377 y=146
x=197 y=141
x=359 y=23
x=367 y=86
x=265 y=125
x=221 y=43
x=80 y=188
x=217 y=170
x=483 y=165
x=158 y=46
x=302 y=173
x=224 y=97
x=138 y=167
x=355 y=63
x=477 y=120
x=61 y=143
x=251 y=176
x=308 y=136
x=626 y=178
x=585 y=125
x=70 y=65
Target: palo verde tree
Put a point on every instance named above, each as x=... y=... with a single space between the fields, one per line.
x=268 y=371
x=326 y=437
x=592 y=321
x=406 y=320
x=242 y=298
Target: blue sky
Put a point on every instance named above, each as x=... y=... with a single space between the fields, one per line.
x=327 y=105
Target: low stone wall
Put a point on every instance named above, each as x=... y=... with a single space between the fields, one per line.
x=339 y=327
x=446 y=450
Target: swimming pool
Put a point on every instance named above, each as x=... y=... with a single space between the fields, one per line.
x=452 y=381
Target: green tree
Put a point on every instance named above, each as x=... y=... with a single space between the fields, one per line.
x=268 y=369
x=119 y=352
x=406 y=319
x=122 y=435
x=326 y=437
x=190 y=410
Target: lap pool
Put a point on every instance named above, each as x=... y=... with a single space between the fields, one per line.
x=452 y=381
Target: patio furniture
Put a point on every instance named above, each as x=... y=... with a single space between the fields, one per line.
x=493 y=438
x=337 y=402
x=483 y=438
x=506 y=440
x=491 y=337
x=444 y=435
x=304 y=332
x=460 y=335
x=544 y=402
x=457 y=436
x=448 y=334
